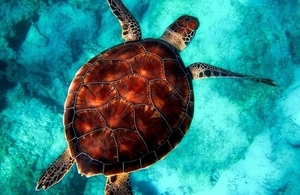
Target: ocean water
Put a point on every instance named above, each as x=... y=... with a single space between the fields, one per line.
x=244 y=138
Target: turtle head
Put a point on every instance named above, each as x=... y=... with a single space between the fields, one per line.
x=181 y=32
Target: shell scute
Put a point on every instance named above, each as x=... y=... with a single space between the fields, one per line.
x=123 y=51
x=95 y=95
x=173 y=68
x=151 y=126
x=148 y=65
x=107 y=71
x=161 y=49
x=88 y=121
x=100 y=145
x=167 y=101
x=163 y=149
x=83 y=70
x=130 y=145
x=132 y=165
x=112 y=169
x=175 y=137
x=76 y=83
x=134 y=88
x=149 y=159
x=118 y=113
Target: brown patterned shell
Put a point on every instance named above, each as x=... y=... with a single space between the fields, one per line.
x=128 y=107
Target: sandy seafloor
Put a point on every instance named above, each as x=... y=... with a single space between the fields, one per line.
x=245 y=137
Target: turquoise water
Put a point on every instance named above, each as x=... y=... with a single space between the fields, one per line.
x=245 y=137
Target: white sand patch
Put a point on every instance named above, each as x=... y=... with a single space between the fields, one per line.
x=291 y=101
x=248 y=176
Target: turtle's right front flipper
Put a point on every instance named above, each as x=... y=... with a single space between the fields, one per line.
x=56 y=171
x=131 y=30
x=202 y=70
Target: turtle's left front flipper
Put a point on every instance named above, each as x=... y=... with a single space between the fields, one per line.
x=131 y=30
x=56 y=171
x=202 y=70
x=118 y=185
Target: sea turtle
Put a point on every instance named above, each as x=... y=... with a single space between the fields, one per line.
x=129 y=106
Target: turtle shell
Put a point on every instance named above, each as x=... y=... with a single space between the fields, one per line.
x=128 y=107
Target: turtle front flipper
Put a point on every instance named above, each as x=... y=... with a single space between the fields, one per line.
x=131 y=30
x=118 y=185
x=56 y=171
x=202 y=70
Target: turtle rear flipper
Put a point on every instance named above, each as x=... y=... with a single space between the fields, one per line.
x=118 y=185
x=56 y=171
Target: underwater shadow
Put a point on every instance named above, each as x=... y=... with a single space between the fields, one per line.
x=145 y=188
x=77 y=183
x=5 y=84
